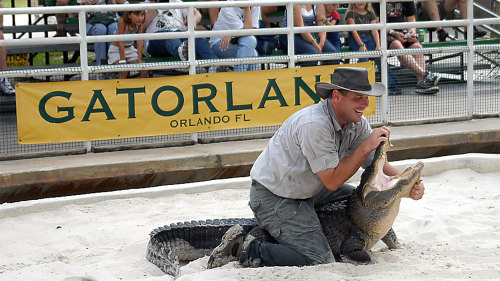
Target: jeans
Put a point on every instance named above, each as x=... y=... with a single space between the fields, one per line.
x=101 y=48
x=392 y=80
x=246 y=47
x=303 y=47
x=334 y=38
x=168 y=47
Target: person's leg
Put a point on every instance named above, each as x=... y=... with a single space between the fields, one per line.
x=293 y=224
x=99 y=47
x=203 y=50
x=61 y=19
x=409 y=61
x=353 y=45
x=433 y=11
x=246 y=48
x=419 y=60
x=329 y=48
x=111 y=29
x=344 y=192
x=164 y=47
x=303 y=47
x=5 y=86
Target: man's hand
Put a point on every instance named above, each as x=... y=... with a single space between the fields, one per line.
x=417 y=191
x=376 y=137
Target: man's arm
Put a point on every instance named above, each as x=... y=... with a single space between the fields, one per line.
x=333 y=178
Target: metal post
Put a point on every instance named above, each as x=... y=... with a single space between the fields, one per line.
x=191 y=41
x=384 y=110
x=470 y=59
x=82 y=31
x=290 y=35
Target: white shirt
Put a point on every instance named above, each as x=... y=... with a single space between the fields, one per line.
x=169 y=19
x=232 y=18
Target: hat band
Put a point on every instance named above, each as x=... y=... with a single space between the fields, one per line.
x=357 y=87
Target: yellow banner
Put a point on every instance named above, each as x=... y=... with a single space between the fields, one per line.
x=108 y=109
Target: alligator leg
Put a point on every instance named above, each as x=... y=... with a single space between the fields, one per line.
x=391 y=240
x=353 y=248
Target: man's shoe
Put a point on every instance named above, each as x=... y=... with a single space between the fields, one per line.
x=245 y=258
x=442 y=35
x=183 y=50
x=229 y=249
x=6 y=88
x=432 y=79
x=426 y=88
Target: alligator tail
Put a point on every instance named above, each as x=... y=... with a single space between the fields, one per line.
x=188 y=241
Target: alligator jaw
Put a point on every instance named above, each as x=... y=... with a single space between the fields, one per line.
x=380 y=190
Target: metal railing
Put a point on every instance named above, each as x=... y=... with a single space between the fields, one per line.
x=470 y=90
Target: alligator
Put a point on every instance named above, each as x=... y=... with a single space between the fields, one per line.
x=351 y=226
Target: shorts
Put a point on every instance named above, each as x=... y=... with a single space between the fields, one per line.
x=391 y=39
x=114 y=54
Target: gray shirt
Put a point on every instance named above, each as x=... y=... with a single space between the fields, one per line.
x=309 y=141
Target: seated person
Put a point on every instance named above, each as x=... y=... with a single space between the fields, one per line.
x=101 y=24
x=174 y=20
x=235 y=18
x=309 y=43
x=433 y=13
x=333 y=18
x=399 y=39
x=448 y=6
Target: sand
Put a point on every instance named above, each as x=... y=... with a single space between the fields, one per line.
x=453 y=233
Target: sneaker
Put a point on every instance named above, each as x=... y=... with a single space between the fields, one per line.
x=394 y=91
x=212 y=69
x=442 y=35
x=255 y=235
x=224 y=68
x=183 y=50
x=5 y=87
x=426 y=88
x=229 y=249
x=432 y=79
x=478 y=33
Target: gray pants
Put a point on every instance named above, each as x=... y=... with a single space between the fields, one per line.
x=293 y=222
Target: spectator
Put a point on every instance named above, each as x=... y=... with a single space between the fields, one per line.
x=5 y=86
x=399 y=39
x=265 y=10
x=124 y=52
x=174 y=20
x=448 y=6
x=309 y=43
x=61 y=19
x=235 y=18
x=433 y=12
x=213 y=13
x=104 y=23
x=333 y=18
x=364 y=40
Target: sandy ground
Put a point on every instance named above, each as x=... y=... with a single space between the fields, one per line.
x=451 y=234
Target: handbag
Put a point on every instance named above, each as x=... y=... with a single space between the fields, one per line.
x=103 y=18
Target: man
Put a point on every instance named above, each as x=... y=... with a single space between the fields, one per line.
x=306 y=163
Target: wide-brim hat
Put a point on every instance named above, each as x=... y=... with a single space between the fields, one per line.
x=352 y=79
